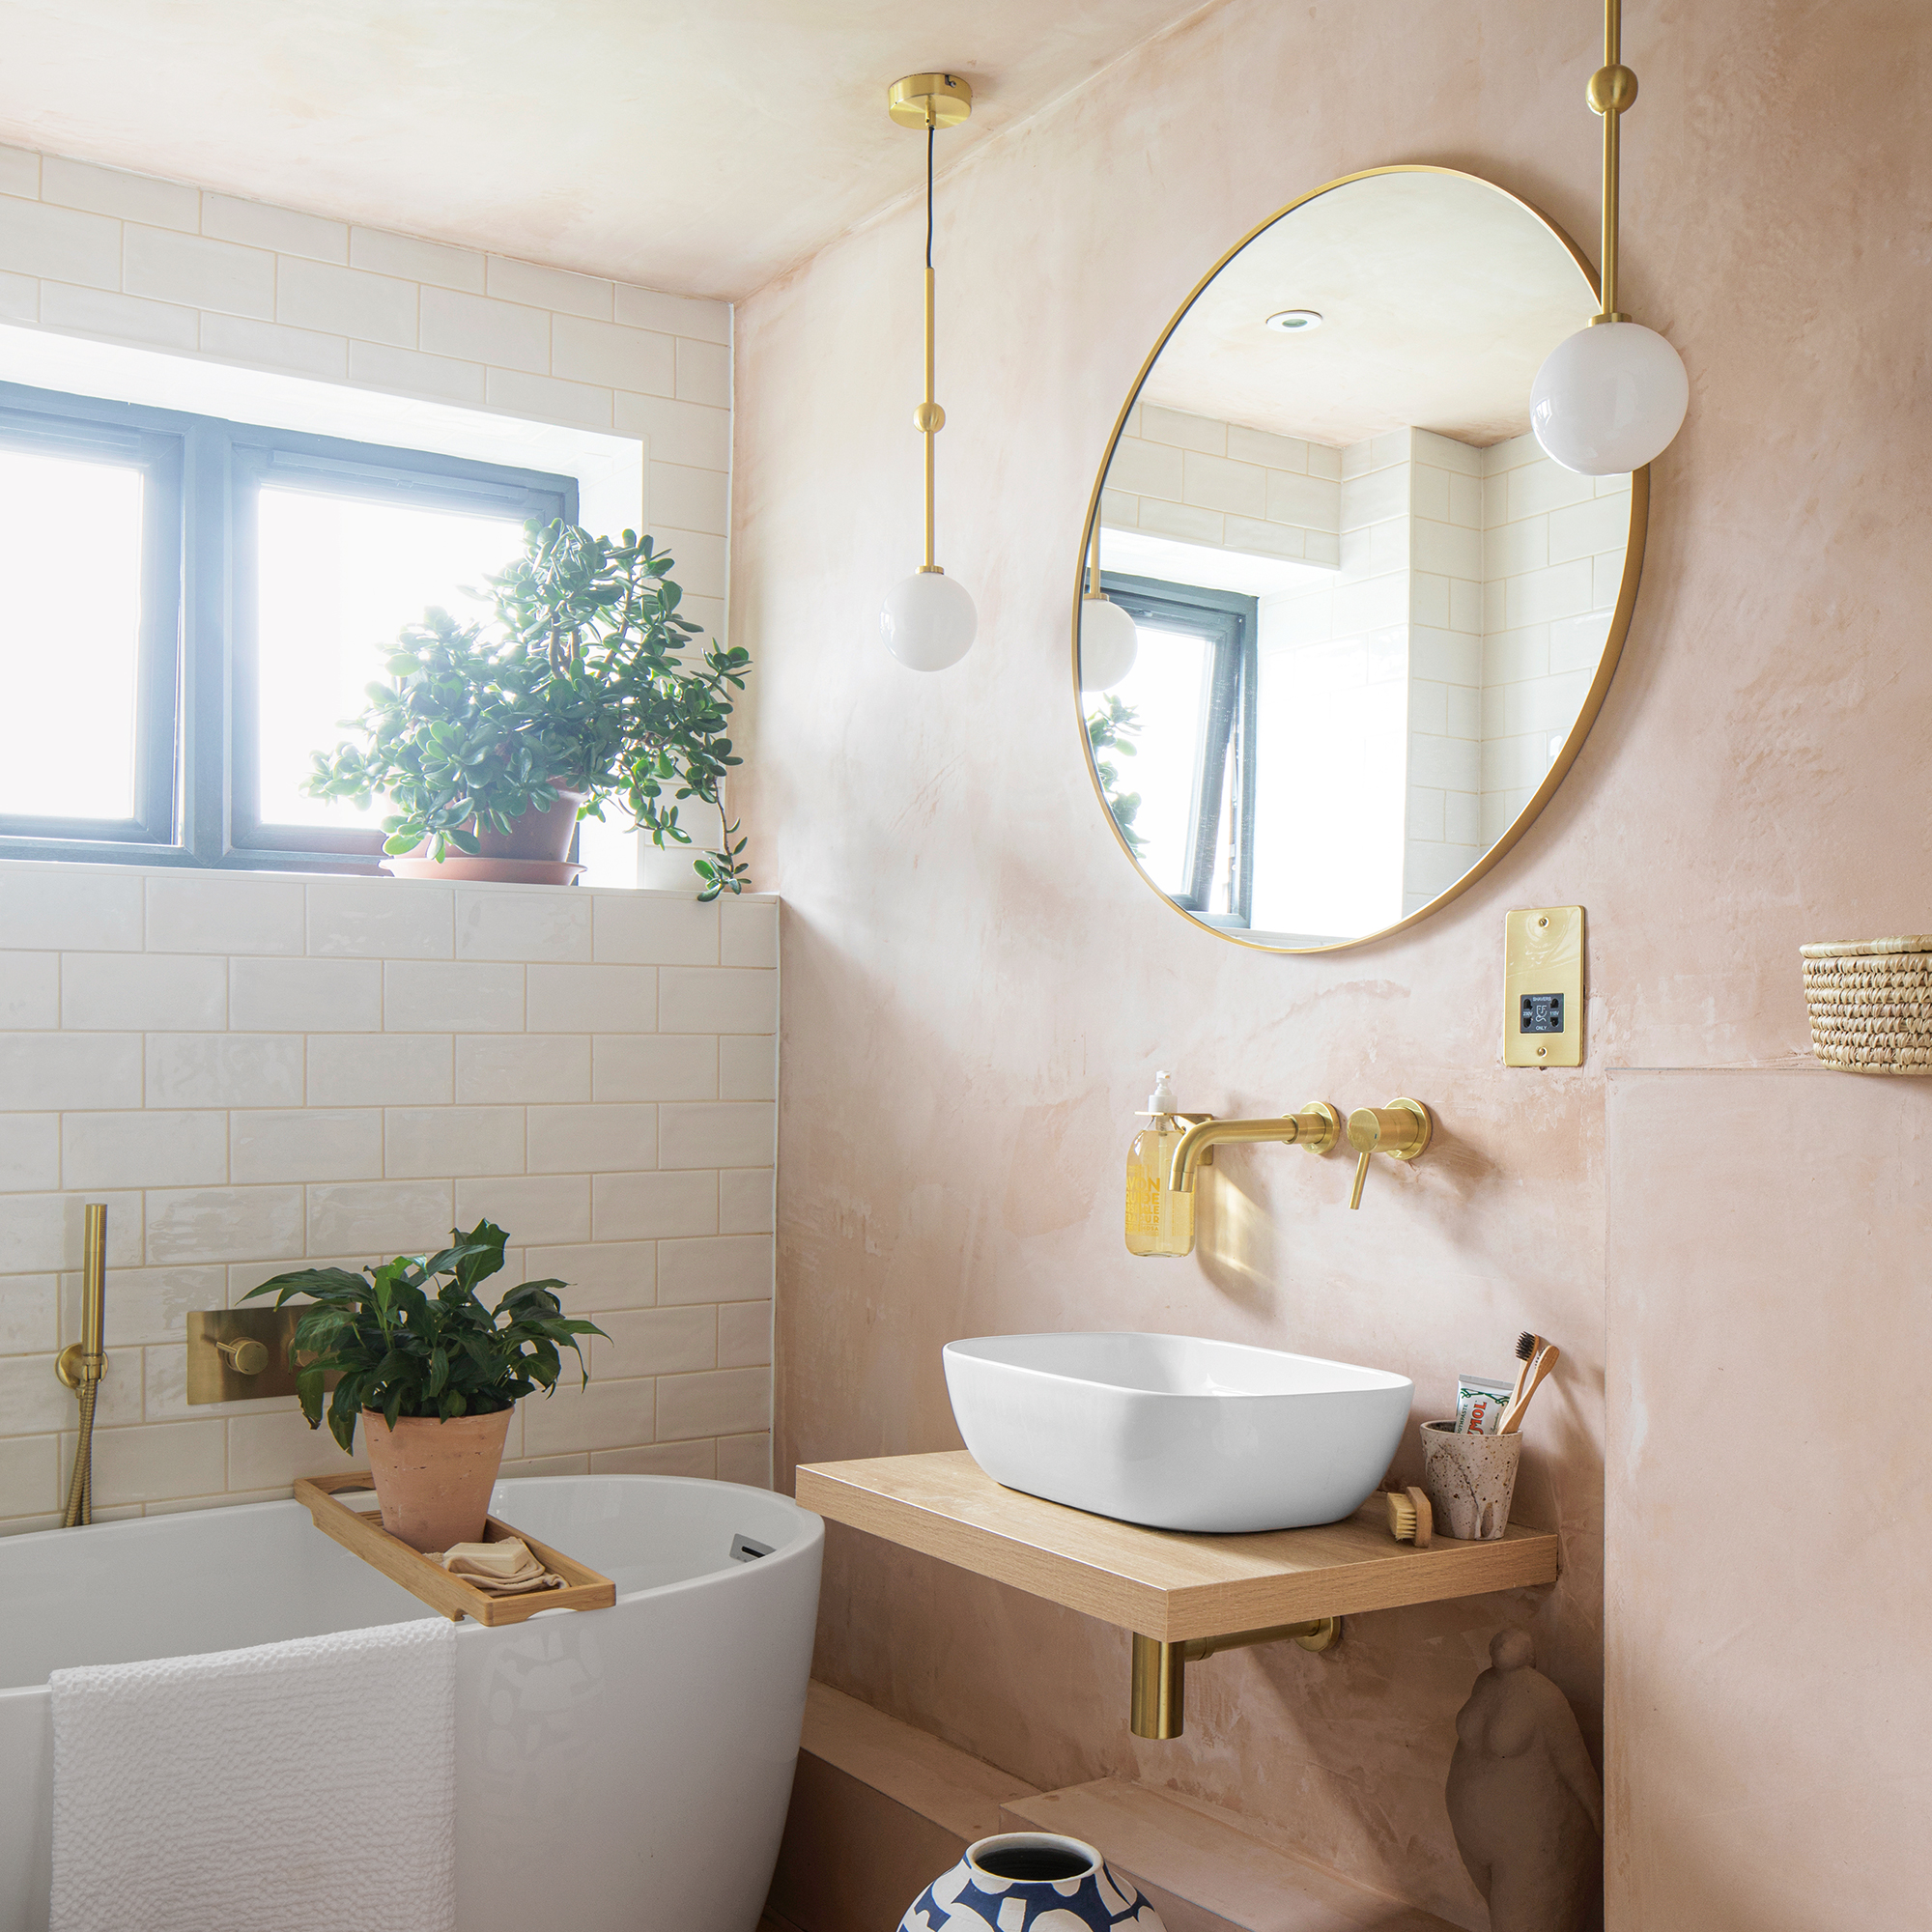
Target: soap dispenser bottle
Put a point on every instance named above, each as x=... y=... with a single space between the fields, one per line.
x=1159 y=1221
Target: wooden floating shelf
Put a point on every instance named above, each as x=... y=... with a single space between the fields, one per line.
x=363 y=1534
x=1170 y=1585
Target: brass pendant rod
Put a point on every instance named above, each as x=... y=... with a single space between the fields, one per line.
x=930 y=418
x=1611 y=91
x=926 y=415
x=1094 y=569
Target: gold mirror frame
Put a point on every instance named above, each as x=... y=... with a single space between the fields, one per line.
x=1606 y=664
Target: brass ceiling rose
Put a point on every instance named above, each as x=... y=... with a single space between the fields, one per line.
x=929 y=101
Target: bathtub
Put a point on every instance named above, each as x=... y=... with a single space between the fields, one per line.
x=627 y=1768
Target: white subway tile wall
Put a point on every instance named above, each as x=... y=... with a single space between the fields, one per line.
x=1209 y=482
x=257 y=1073
x=1553 y=564
x=92 y=251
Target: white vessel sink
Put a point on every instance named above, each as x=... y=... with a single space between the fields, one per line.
x=1173 y=1432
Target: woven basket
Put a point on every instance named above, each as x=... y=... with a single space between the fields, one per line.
x=1870 y=1003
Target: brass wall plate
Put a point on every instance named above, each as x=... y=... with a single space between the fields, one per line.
x=212 y=1377
x=1543 y=987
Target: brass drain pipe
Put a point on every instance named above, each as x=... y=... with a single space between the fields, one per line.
x=81 y=1364
x=1159 y=1707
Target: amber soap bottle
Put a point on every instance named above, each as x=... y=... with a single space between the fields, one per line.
x=1159 y=1221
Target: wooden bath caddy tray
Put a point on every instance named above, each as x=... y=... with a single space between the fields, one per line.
x=364 y=1536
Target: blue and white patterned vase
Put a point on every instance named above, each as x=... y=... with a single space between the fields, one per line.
x=1031 y=1882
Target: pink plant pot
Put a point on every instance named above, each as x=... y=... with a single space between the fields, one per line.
x=433 y=1478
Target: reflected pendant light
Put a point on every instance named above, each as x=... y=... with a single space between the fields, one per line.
x=1612 y=396
x=1109 y=642
x=927 y=621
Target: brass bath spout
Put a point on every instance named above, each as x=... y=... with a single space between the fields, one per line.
x=81 y=1364
x=1316 y=1127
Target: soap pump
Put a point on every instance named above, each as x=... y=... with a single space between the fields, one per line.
x=1159 y=1221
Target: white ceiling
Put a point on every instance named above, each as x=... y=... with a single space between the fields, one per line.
x=1440 y=296
x=697 y=146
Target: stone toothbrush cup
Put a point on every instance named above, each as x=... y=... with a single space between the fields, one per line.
x=1470 y=1480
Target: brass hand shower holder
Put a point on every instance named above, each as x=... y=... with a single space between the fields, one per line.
x=81 y=1364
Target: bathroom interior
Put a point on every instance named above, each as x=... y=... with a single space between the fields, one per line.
x=985 y=985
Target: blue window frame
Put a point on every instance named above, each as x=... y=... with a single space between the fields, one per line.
x=188 y=672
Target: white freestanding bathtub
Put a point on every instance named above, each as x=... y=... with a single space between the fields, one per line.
x=617 y=1770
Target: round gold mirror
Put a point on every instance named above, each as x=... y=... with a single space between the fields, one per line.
x=1341 y=625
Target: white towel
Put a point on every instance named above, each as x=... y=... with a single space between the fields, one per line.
x=306 y=1784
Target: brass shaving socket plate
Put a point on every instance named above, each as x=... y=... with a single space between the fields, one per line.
x=1613 y=90
x=929 y=101
x=927 y=417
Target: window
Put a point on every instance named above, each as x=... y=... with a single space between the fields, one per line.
x=1192 y=695
x=192 y=607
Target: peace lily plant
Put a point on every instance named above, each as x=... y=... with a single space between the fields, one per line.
x=584 y=686
x=430 y=1373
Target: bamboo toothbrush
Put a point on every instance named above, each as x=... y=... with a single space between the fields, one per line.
x=1546 y=1359
x=1526 y=1346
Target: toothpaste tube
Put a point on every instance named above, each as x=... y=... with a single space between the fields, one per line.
x=1479 y=1405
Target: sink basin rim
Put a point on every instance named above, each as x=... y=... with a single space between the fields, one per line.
x=981 y=1348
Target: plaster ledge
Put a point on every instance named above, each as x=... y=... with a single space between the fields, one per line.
x=880 y=1808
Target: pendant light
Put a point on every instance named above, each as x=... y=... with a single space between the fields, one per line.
x=1614 y=395
x=1109 y=642
x=928 y=620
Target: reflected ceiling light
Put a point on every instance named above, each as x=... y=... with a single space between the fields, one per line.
x=1109 y=642
x=1614 y=395
x=929 y=621
x=1293 y=320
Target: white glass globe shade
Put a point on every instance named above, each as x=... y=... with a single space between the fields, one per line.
x=927 y=621
x=1109 y=643
x=1609 y=398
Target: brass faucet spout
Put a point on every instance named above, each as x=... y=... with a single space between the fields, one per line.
x=1316 y=1127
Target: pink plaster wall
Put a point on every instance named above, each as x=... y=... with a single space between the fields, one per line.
x=1769 y=1671
x=976 y=988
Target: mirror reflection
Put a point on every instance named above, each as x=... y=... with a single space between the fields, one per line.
x=1351 y=613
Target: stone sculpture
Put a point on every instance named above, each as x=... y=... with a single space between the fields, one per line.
x=1525 y=1800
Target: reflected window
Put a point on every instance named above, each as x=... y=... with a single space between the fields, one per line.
x=1184 y=717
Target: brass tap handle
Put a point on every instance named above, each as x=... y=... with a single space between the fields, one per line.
x=1402 y=1130
x=246 y=1357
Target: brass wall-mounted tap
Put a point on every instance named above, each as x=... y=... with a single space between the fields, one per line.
x=1401 y=1131
x=1316 y=1127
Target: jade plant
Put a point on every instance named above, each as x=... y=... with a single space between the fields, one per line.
x=412 y=1337
x=1110 y=734
x=583 y=673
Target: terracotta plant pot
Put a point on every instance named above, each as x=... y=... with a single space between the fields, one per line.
x=530 y=853
x=433 y=1478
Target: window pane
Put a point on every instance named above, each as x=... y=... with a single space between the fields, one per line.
x=1168 y=688
x=337 y=580
x=69 y=632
